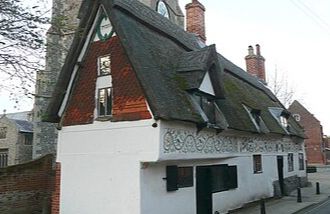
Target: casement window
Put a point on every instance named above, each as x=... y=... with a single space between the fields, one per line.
x=282 y=116
x=257 y=164
x=179 y=177
x=301 y=161
x=221 y=177
x=284 y=121
x=290 y=162
x=3 y=158
x=185 y=177
x=104 y=102
x=208 y=106
x=104 y=65
x=3 y=132
x=28 y=137
x=255 y=116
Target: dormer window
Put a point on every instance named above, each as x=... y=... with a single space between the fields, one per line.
x=256 y=116
x=162 y=9
x=282 y=116
x=207 y=105
x=284 y=121
x=104 y=65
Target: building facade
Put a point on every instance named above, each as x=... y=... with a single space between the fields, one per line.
x=314 y=143
x=150 y=116
x=16 y=135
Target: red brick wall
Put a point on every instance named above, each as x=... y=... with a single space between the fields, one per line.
x=55 y=202
x=195 y=19
x=314 y=134
x=26 y=188
x=129 y=102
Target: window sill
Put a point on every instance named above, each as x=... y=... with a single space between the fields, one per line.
x=257 y=172
x=103 y=118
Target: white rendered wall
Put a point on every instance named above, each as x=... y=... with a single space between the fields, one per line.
x=100 y=166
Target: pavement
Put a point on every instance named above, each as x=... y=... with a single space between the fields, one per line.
x=289 y=204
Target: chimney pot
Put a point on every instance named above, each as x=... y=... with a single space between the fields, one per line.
x=258 y=49
x=251 y=51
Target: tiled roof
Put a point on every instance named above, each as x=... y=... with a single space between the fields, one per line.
x=24 y=126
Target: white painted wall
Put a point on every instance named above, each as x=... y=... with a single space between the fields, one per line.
x=119 y=167
x=101 y=166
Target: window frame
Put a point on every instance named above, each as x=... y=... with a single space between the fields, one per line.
x=185 y=176
x=4 y=158
x=28 y=139
x=3 y=132
x=161 y=2
x=290 y=162
x=257 y=163
x=106 y=113
x=301 y=161
x=99 y=73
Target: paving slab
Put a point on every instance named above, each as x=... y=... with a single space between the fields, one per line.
x=289 y=204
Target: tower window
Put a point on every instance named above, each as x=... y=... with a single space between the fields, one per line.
x=3 y=132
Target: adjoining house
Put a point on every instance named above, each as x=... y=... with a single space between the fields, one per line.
x=315 y=143
x=16 y=134
x=152 y=120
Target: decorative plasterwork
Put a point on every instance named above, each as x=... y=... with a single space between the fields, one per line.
x=189 y=142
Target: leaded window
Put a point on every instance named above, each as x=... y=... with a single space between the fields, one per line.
x=290 y=162
x=105 y=102
x=257 y=164
x=3 y=132
x=104 y=64
x=3 y=158
x=301 y=161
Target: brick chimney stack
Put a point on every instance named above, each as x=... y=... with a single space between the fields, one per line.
x=255 y=63
x=195 y=19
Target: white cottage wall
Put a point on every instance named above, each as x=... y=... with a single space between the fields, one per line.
x=100 y=163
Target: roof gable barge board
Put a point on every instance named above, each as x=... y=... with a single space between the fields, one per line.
x=70 y=62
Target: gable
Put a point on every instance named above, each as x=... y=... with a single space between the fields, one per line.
x=207 y=86
x=82 y=104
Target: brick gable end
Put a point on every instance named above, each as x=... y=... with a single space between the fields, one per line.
x=129 y=102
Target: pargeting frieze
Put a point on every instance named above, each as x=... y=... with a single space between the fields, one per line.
x=185 y=141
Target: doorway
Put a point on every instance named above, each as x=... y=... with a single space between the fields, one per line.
x=203 y=190
x=280 y=173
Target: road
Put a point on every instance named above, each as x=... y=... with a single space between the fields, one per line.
x=321 y=208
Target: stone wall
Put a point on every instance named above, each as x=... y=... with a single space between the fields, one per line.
x=26 y=188
x=59 y=38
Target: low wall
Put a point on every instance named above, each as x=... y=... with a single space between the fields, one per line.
x=290 y=184
x=26 y=188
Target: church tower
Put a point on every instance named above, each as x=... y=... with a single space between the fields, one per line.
x=59 y=38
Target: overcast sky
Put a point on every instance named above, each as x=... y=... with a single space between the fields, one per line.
x=295 y=40
x=294 y=36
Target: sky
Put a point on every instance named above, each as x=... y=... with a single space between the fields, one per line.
x=294 y=36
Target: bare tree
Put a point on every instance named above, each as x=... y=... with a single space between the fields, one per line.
x=281 y=88
x=22 y=33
